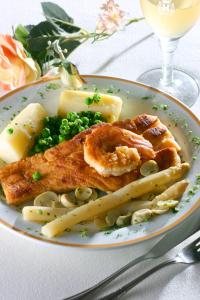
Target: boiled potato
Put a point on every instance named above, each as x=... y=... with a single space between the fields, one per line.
x=30 y=118
x=17 y=138
x=109 y=106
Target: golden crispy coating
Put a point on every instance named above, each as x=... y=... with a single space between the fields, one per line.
x=63 y=167
x=114 y=151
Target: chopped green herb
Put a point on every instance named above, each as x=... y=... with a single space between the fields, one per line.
x=36 y=176
x=107 y=232
x=111 y=229
x=41 y=95
x=191 y=192
x=160 y=106
x=194 y=189
x=24 y=99
x=175 y=210
x=52 y=86
x=39 y=212
x=95 y=88
x=155 y=107
x=93 y=99
x=7 y=107
x=164 y=106
x=10 y=130
x=196 y=140
x=109 y=91
x=185 y=125
x=147 y=97
x=84 y=233
x=197 y=179
x=194 y=157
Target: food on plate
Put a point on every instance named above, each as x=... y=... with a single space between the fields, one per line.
x=2 y=163
x=87 y=165
x=114 y=151
x=18 y=136
x=152 y=129
x=57 y=129
x=149 y=167
x=63 y=167
x=42 y=214
x=110 y=106
x=132 y=190
x=84 y=193
x=46 y=199
x=161 y=201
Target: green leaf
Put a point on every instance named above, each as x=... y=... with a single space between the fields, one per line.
x=44 y=28
x=39 y=43
x=52 y=10
x=29 y=27
x=21 y=34
x=67 y=27
x=70 y=45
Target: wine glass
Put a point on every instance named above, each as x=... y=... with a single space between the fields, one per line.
x=170 y=20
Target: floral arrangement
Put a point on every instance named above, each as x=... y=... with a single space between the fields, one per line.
x=43 y=49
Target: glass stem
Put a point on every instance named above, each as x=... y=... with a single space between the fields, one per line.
x=168 y=47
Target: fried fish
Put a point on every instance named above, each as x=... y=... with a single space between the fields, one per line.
x=63 y=167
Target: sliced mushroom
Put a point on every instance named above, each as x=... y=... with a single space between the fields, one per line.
x=148 y=168
x=141 y=215
x=167 y=204
x=124 y=220
x=46 y=199
x=68 y=200
x=100 y=223
x=159 y=211
x=83 y=193
x=111 y=217
x=94 y=195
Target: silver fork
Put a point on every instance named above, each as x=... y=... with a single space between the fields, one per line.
x=187 y=255
x=169 y=241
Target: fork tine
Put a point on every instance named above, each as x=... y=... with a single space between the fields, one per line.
x=198 y=243
x=195 y=243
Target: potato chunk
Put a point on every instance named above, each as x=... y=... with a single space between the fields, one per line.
x=17 y=137
x=109 y=106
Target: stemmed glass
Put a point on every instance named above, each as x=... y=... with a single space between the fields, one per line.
x=170 y=20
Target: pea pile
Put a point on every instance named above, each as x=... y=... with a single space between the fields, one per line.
x=57 y=129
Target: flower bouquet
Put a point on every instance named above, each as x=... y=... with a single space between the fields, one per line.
x=44 y=49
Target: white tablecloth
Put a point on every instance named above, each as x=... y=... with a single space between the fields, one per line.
x=37 y=271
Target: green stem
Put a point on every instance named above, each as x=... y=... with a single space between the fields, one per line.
x=135 y=20
x=85 y=35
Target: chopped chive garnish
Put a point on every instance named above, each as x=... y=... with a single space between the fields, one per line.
x=10 y=130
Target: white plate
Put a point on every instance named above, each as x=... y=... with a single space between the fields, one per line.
x=137 y=99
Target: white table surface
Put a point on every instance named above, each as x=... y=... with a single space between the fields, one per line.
x=35 y=271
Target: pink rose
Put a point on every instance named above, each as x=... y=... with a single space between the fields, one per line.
x=16 y=69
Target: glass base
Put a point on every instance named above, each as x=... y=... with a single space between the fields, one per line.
x=184 y=86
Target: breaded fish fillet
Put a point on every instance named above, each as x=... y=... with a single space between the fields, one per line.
x=63 y=168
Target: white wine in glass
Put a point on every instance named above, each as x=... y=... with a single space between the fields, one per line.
x=170 y=20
